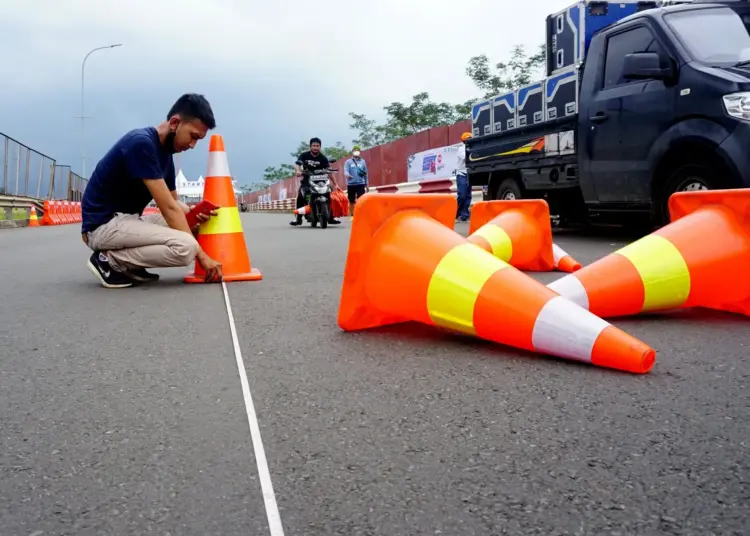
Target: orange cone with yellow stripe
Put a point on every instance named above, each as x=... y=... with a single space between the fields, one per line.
x=405 y=263
x=222 y=237
x=701 y=259
x=519 y=232
x=33 y=218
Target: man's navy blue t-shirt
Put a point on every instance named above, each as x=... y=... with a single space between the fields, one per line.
x=116 y=185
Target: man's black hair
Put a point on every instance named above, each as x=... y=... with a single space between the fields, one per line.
x=193 y=106
x=315 y=140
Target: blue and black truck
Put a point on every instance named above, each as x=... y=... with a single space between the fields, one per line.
x=641 y=100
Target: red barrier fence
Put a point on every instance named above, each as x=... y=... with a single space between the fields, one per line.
x=386 y=163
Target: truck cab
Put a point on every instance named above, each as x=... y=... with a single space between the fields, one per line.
x=663 y=106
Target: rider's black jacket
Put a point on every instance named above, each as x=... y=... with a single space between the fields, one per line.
x=312 y=163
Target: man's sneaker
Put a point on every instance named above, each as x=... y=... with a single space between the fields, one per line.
x=333 y=221
x=109 y=278
x=141 y=275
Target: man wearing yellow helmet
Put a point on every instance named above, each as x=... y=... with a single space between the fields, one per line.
x=462 y=181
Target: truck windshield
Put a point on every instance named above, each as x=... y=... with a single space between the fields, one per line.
x=714 y=36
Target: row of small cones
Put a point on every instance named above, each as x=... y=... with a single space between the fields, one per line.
x=406 y=263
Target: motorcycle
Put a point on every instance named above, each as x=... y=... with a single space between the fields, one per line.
x=317 y=195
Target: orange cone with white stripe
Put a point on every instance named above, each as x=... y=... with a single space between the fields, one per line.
x=222 y=237
x=701 y=259
x=519 y=232
x=33 y=219
x=302 y=211
x=405 y=263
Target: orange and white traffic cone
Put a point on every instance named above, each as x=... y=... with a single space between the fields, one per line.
x=405 y=263
x=33 y=219
x=519 y=232
x=302 y=211
x=701 y=259
x=222 y=237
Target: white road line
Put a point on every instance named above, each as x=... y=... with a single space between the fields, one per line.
x=269 y=498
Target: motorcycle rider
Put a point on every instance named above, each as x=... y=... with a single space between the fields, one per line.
x=311 y=160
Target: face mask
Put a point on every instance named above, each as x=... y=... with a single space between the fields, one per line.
x=356 y=153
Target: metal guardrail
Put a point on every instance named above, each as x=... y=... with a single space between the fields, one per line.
x=24 y=171
x=14 y=210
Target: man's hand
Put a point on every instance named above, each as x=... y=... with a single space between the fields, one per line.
x=203 y=218
x=211 y=267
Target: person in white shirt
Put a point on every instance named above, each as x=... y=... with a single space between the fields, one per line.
x=462 y=181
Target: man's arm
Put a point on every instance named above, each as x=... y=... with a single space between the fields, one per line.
x=348 y=168
x=183 y=206
x=367 y=175
x=297 y=167
x=168 y=206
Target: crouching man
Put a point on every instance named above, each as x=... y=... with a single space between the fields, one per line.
x=136 y=170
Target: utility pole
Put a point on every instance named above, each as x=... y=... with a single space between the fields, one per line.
x=83 y=115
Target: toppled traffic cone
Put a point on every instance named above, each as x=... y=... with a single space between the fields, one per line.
x=701 y=259
x=519 y=232
x=302 y=211
x=33 y=219
x=222 y=237
x=405 y=263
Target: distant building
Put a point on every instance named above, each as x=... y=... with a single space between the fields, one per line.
x=191 y=192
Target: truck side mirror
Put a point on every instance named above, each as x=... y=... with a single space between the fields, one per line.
x=644 y=66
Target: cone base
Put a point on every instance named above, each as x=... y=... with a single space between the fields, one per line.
x=252 y=275
x=374 y=209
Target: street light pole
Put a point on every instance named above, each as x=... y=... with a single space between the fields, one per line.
x=83 y=115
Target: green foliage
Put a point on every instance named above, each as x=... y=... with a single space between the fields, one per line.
x=405 y=119
x=275 y=174
x=518 y=71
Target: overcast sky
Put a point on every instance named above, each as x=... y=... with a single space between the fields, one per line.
x=275 y=73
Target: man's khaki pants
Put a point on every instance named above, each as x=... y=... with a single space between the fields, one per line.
x=133 y=241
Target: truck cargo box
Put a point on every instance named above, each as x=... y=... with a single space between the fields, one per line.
x=504 y=112
x=530 y=106
x=569 y=31
x=481 y=118
x=561 y=93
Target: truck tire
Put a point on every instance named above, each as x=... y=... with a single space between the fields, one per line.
x=690 y=176
x=508 y=190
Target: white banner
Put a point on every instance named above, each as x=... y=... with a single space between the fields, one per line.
x=437 y=163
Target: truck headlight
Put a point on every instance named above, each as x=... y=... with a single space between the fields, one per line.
x=738 y=105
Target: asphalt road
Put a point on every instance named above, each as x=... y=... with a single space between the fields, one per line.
x=121 y=412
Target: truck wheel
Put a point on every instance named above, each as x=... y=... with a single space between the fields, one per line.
x=690 y=177
x=508 y=190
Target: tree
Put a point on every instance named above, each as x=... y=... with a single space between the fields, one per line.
x=275 y=174
x=519 y=71
x=369 y=133
x=406 y=119
x=421 y=113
